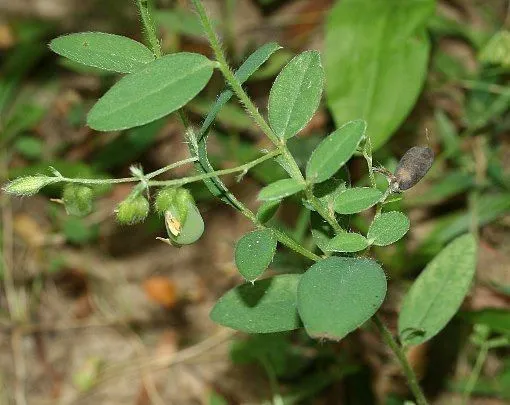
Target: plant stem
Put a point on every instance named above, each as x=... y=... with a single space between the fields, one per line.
x=289 y=162
x=229 y=74
x=323 y=211
x=149 y=27
x=295 y=246
x=399 y=352
x=199 y=177
x=128 y=179
x=475 y=373
x=237 y=88
x=169 y=167
x=367 y=154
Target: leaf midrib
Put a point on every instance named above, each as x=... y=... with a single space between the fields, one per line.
x=296 y=96
x=147 y=95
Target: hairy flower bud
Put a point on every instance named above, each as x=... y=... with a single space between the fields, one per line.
x=78 y=199
x=28 y=185
x=133 y=210
x=165 y=199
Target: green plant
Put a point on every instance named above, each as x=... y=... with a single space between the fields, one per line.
x=336 y=294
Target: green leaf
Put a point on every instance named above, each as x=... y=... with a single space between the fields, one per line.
x=376 y=61
x=254 y=253
x=347 y=242
x=77 y=232
x=357 y=199
x=29 y=146
x=104 y=51
x=498 y=320
x=497 y=50
x=334 y=151
x=338 y=294
x=22 y=117
x=448 y=134
x=448 y=186
x=387 y=228
x=489 y=208
x=438 y=292
x=280 y=189
x=160 y=88
x=265 y=306
x=296 y=94
x=180 y=21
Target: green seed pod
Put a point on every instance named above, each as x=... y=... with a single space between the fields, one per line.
x=78 y=199
x=133 y=210
x=187 y=232
x=28 y=185
x=164 y=199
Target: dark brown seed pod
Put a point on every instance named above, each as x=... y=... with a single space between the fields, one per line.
x=415 y=164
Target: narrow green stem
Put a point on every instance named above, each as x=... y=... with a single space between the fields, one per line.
x=406 y=367
x=273 y=381
x=170 y=167
x=323 y=211
x=289 y=161
x=199 y=177
x=295 y=246
x=498 y=342
x=367 y=154
x=229 y=74
x=128 y=179
x=149 y=27
x=475 y=373
x=281 y=236
x=237 y=88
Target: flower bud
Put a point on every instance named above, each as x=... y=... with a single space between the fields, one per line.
x=183 y=199
x=28 y=185
x=165 y=199
x=78 y=199
x=133 y=210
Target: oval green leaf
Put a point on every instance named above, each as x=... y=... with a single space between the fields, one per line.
x=280 y=189
x=356 y=199
x=265 y=306
x=254 y=252
x=104 y=51
x=387 y=228
x=438 y=292
x=338 y=294
x=376 y=61
x=347 y=243
x=160 y=88
x=296 y=94
x=193 y=226
x=334 y=151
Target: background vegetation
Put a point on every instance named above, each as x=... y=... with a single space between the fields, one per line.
x=92 y=311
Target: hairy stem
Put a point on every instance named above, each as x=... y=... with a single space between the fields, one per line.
x=242 y=168
x=406 y=367
x=149 y=27
x=290 y=163
x=128 y=179
x=237 y=88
